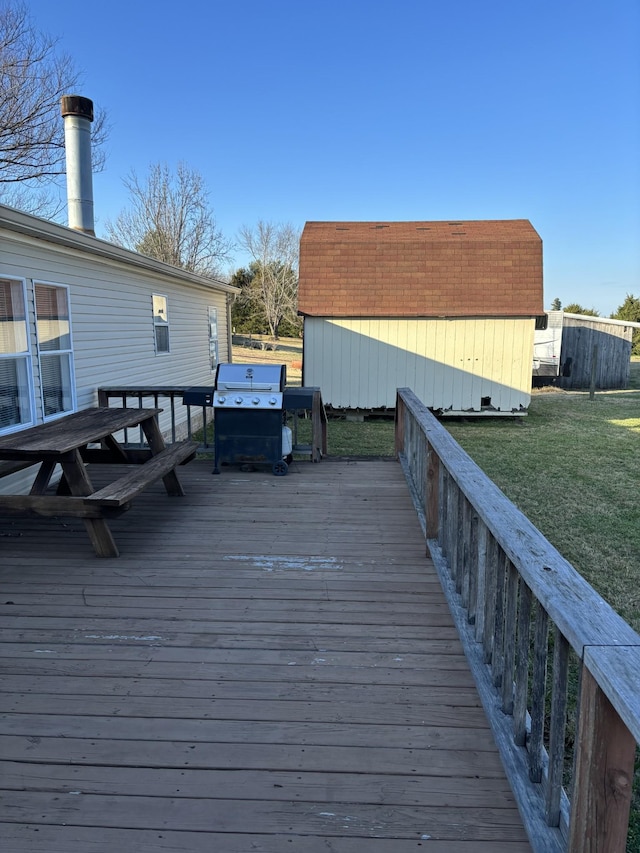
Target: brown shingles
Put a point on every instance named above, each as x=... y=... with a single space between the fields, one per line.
x=413 y=269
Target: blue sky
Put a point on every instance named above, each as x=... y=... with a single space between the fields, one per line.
x=371 y=110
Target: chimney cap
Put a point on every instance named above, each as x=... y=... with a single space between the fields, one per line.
x=76 y=105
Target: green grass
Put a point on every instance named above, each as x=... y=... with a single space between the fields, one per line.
x=572 y=466
x=372 y=437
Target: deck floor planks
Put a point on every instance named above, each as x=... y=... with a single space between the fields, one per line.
x=269 y=665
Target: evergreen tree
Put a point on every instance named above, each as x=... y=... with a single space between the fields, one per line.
x=576 y=308
x=630 y=310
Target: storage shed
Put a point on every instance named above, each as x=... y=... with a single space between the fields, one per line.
x=564 y=351
x=77 y=313
x=447 y=309
x=608 y=341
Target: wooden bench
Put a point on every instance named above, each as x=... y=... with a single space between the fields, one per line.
x=125 y=488
x=114 y=498
x=7 y=467
x=72 y=443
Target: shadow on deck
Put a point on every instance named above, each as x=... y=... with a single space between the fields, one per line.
x=270 y=665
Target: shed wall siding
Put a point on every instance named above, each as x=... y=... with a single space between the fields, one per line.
x=613 y=342
x=450 y=364
x=112 y=324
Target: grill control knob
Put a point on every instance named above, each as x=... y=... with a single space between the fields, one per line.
x=238 y=401
x=273 y=401
x=255 y=401
x=222 y=399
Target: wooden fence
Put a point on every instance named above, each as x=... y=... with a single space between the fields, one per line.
x=531 y=626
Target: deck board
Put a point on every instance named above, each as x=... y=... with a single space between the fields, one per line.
x=270 y=665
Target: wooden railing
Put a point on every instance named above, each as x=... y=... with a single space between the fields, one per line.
x=173 y=422
x=168 y=397
x=531 y=626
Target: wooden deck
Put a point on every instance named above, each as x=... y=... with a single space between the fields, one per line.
x=270 y=665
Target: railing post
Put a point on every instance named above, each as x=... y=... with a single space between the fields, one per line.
x=453 y=531
x=557 y=727
x=432 y=502
x=481 y=580
x=522 y=666
x=538 y=688
x=603 y=775
x=509 y=637
x=399 y=426
x=497 y=658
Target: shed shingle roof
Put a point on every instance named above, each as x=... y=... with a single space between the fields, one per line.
x=421 y=269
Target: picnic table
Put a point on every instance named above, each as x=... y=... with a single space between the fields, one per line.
x=89 y=437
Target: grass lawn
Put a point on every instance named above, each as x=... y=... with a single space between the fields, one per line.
x=573 y=467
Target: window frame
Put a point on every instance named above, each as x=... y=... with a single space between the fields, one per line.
x=214 y=352
x=67 y=352
x=25 y=357
x=158 y=322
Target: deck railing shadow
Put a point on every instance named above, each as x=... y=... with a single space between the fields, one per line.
x=528 y=621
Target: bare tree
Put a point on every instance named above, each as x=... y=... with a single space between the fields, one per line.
x=170 y=219
x=275 y=251
x=33 y=78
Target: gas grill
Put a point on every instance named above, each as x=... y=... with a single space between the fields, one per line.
x=248 y=405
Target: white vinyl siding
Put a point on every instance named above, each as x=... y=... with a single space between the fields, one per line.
x=453 y=365
x=113 y=332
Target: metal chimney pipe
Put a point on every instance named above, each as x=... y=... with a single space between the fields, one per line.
x=78 y=115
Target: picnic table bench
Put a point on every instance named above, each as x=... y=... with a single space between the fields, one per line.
x=89 y=437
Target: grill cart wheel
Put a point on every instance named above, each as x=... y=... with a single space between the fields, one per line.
x=280 y=468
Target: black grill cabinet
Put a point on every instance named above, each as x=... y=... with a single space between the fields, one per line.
x=249 y=415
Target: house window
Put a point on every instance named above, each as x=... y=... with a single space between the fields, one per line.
x=213 y=337
x=15 y=377
x=53 y=326
x=160 y=323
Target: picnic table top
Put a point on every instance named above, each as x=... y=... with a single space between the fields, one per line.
x=65 y=434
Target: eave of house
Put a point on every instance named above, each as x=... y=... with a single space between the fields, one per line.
x=27 y=225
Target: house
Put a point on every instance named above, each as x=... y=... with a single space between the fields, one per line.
x=77 y=313
x=447 y=309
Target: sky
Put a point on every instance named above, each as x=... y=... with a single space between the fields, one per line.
x=381 y=110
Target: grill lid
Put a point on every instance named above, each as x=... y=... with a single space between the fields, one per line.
x=251 y=377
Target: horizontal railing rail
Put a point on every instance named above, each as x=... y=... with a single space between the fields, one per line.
x=161 y=396
x=532 y=628
x=182 y=427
